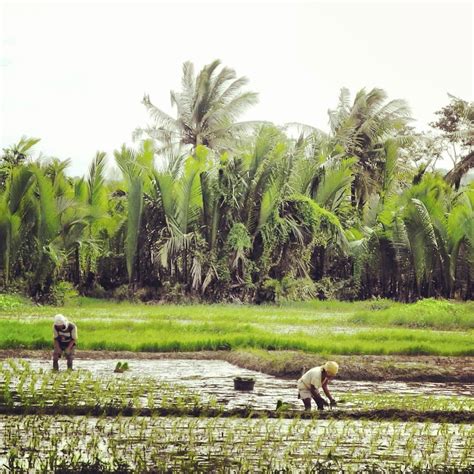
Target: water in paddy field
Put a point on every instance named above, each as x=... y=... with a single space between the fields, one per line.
x=28 y=443
x=213 y=444
x=215 y=378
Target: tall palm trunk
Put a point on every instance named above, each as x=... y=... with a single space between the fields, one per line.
x=77 y=266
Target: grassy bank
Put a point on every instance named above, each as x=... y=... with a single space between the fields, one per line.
x=329 y=327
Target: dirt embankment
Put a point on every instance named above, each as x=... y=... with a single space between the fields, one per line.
x=376 y=415
x=290 y=364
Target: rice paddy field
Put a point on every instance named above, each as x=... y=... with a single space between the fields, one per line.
x=179 y=412
x=93 y=420
x=368 y=327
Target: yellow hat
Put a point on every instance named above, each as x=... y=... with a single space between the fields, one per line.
x=331 y=367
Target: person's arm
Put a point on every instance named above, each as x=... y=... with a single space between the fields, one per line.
x=70 y=345
x=328 y=393
x=57 y=347
x=73 y=339
x=320 y=402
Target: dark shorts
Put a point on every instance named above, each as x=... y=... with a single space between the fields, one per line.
x=63 y=347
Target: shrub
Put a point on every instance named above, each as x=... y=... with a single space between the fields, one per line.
x=433 y=306
x=124 y=293
x=10 y=302
x=112 y=271
x=174 y=293
x=378 y=304
x=97 y=291
x=146 y=293
x=328 y=289
x=61 y=292
x=290 y=289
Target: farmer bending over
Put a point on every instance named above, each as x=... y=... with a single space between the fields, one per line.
x=312 y=380
x=65 y=337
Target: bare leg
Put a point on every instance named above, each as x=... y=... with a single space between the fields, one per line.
x=56 y=356
x=69 y=358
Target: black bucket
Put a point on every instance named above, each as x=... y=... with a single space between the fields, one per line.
x=244 y=383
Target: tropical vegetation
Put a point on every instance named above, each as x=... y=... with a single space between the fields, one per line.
x=210 y=208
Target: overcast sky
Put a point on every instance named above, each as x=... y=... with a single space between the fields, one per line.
x=74 y=74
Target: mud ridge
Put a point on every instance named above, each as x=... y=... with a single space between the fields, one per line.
x=454 y=417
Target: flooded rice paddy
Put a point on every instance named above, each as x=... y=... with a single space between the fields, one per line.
x=182 y=444
x=211 y=441
x=215 y=378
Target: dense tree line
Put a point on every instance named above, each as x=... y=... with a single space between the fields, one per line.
x=216 y=209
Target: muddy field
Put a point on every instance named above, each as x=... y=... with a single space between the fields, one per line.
x=215 y=378
x=375 y=427
x=234 y=445
x=289 y=364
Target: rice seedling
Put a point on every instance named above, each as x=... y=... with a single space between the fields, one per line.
x=344 y=328
x=121 y=367
x=80 y=393
x=140 y=443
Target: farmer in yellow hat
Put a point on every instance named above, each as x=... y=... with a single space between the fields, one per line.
x=65 y=338
x=313 y=380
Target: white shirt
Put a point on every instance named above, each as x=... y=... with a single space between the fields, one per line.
x=58 y=333
x=312 y=377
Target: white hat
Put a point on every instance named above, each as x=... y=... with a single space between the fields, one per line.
x=60 y=320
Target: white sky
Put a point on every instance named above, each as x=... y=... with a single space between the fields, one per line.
x=74 y=74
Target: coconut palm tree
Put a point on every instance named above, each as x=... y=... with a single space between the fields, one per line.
x=362 y=129
x=207 y=108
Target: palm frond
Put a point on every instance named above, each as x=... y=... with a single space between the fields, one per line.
x=20 y=182
x=96 y=179
x=49 y=219
x=162 y=118
x=134 y=214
